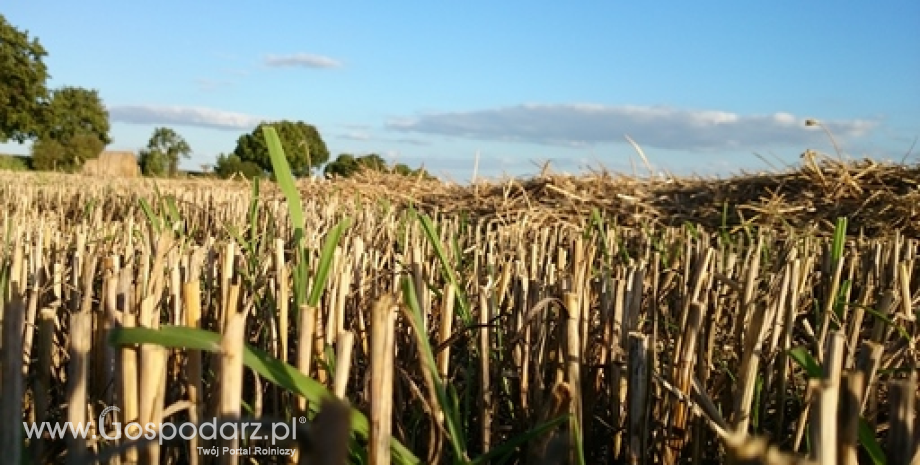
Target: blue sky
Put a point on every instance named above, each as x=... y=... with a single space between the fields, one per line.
x=702 y=87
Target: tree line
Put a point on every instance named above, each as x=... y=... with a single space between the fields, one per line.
x=70 y=125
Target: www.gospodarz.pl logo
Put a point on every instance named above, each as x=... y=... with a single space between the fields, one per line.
x=167 y=431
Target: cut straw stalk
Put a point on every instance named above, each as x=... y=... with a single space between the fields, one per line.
x=106 y=320
x=852 y=388
x=902 y=441
x=281 y=281
x=308 y=320
x=867 y=362
x=80 y=344
x=638 y=396
x=573 y=363
x=38 y=278
x=226 y=277
x=485 y=350
x=12 y=379
x=152 y=375
x=128 y=400
x=231 y=380
x=383 y=320
x=444 y=330
x=320 y=329
x=823 y=427
x=750 y=366
x=42 y=383
x=192 y=299
x=683 y=375
x=522 y=352
x=741 y=321
x=787 y=316
x=344 y=345
x=618 y=390
x=152 y=382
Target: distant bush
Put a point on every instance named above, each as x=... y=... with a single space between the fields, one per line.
x=404 y=170
x=347 y=165
x=230 y=165
x=15 y=163
x=69 y=156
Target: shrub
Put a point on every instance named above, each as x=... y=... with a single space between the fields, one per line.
x=230 y=165
x=14 y=163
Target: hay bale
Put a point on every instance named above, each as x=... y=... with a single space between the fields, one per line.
x=113 y=164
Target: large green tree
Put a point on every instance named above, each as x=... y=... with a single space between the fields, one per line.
x=23 y=93
x=75 y=129
x=74 y=111
x=302 y=145
x=162 y=153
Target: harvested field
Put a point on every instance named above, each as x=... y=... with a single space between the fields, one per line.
x=591 y=319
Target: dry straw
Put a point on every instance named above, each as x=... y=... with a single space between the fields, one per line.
x=112 y=164
x=589 y=319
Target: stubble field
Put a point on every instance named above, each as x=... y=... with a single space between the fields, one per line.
x=591 y=319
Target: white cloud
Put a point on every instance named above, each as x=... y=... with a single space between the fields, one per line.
x=355 y=126
x=355 y=135
x=305 y=60
x=363 y=133
x=183 y=116
x=583 y=125
x=411 y=141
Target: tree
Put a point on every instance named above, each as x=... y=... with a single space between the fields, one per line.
x=303 y=147
x=346 y=165
x=372 y=161
x=69 y=156
x=75 y=128
x=152 y=163
x=74 y=111
x=162 y=153
x=230 y=165
x=23 y=94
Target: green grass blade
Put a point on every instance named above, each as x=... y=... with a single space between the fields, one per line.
x=840 y=236
x=887 y=321
x=282 y=174
x=285 y=179
x=6 y=292
x=152 y=217
x=171 y=211
x=254 y=215
x=325 y=261
x=576 y=444
x=501 y=452
x=600 y=227
x=446 y=268
x=807 y=362
x=418 y=329
x=868 y=441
